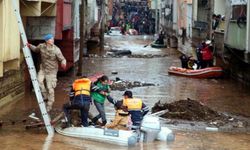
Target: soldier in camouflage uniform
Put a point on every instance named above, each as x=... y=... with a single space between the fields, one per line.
x=50 y=56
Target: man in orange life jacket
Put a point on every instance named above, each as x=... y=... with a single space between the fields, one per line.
x=79 y=99
x=136 y=108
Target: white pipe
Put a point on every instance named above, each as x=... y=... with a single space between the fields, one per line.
x=248 y=28
x=247 y=32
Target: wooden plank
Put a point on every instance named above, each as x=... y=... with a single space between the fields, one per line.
x=41 y=123
x=55 y=121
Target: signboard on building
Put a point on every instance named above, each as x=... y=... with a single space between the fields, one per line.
x=239 y=2
x=155 y=3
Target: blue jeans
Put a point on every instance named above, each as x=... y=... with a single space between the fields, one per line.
x=136 y=117
x=100 y=109
x=81 y=102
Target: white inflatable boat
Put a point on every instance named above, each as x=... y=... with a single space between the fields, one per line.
x=118 y=137
x=150 y=130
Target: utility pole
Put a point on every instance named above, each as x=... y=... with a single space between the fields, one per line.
x=160 y=15
x=156 y=16
x=209 y=17
x=102 y=27
x=82 y=37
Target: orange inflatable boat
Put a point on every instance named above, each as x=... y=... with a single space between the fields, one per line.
x=210 y=72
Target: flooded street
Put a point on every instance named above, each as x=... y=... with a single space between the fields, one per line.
x=222 y=95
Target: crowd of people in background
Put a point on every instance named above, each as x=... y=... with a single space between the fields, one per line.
x=133 y=15
x=217 y=23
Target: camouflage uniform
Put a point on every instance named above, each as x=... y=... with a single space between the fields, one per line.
x=50 y=55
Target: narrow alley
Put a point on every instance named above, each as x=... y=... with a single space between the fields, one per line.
x=135 y=43
x=220 y=94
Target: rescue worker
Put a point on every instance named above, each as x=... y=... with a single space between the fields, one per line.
x=50 y=56
x=122 y=118
x=136 y=108
x=207 y=55
x=79 y=99
x=199 y=54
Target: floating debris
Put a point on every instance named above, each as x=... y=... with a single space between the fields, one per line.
x=121 y=85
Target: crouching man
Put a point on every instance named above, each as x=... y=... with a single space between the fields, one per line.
x=79 y=99
x=136 y=108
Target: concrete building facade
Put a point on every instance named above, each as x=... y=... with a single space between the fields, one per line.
x=11 y=68
x=40 y=17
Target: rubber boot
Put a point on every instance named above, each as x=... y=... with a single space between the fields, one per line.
x=94 y=120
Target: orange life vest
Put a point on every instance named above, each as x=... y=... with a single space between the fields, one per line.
x=133 y=103
x=82 y=86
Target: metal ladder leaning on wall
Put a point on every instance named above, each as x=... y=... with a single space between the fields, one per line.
x=32 y=70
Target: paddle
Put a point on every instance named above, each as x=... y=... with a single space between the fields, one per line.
x=159 y=113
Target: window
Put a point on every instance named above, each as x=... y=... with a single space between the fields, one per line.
x=239 y=11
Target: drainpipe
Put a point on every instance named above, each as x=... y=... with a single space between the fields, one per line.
x=82 y=36
x=248 y=32
x=156 y=16
x=102 y=27
x=209 y=17
x=160 y=17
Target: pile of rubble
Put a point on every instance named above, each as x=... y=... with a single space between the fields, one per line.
x=187 y=110
x=194 y=111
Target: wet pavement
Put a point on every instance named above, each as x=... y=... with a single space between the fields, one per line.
x=222 y=95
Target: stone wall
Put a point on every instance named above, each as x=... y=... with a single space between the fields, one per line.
x=236 y=66
x=12 y=86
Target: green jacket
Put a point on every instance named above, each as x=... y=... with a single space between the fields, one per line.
x=95 y=94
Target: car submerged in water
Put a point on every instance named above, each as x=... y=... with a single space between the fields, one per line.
x=115 y=31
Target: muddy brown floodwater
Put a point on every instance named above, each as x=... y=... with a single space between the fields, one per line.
x=221 y=95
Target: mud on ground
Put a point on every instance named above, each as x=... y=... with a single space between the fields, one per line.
x=194 y=111
x=187 y=110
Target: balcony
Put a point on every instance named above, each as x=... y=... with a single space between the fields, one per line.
x=38 y=7
x=236 y=36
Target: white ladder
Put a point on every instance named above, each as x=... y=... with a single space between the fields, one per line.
x=32 y=70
